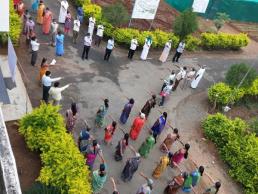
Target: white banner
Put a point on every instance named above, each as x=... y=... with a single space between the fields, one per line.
x=12 y=59
x=4 y=15
x=145 y=9
x=200 y=6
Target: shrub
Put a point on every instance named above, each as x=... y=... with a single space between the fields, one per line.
x=253 y=90
x=253 y=125
x=220 y=92
x=220 y=20
x=3 y=38
x=238 y=148
x=42 y=189
x=124 y=35
x=15 y=24
x=237 y=72
x=63 y=165
x=224 y=41
x=82 y=2
x=192 y=43
x=92 y=9
x=185 y=24
x=116 y=14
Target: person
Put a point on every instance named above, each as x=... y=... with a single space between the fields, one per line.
x=169 y=140
x=59 y=44
x=34 y=50
x=99 y=34
x=121 y=147
x=47 y=18
x=71 y=117
x=15 y=4
x=68 y=22
x=109 y=48
x=29 y=38
x=76 y=29
x=149 y=105
x=87 y=45
x=179 y=156
x=20 y=9
x=29 y=28
x=131 y=166
x=146 y=48
x=167 y=81
x=43 y=69
x=214 y=189
x=46 y=82
x=99 y=177
x=165 y=92
x=54 y=28
x=115 y=191
x=84 y=138
x=26 y=17
x=91 y=25
x=147 y=145
x=134 y=44
x=63 y=11
x=137 y=126
x=91 y=153
x=159 y=125
x=147 y=187
x=165 y=52
x=41 y=9
x=101 y=113
x=175 y=184
x=181 y=75
x=189 y=77
x=187 y=185
x=126 y=111
x=161 y=167
x=198 y=77
x=179 y=51
x=80 y=14
x=109 y=132
x=196 y=175
x=56 y=92
x=35 y=5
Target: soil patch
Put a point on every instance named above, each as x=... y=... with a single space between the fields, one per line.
x=242 y=112
x=27 y=162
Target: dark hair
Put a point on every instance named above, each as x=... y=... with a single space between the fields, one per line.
x=102 y=170
x=173 y=72
x=88 y=34
x=88 y=128
x=131 y=101
x=193 y=69
x=47 y=73
x=115 y=192
x=184 y=68
x=185 y=175
x=47 y=8
x=59 y=32
x=74 y=108
x=170 y=155
x=43 y=61
x=187 y=147
x=175 y=130
x=201 y=170
x=171 y=82
x=68 y=11
x=165 y=114
x=33 y=38
x=106 y=101
x=53 y=20
x=114 y=124
x=217 y=186
x=56 y=84
x=126 y=138
x=94 y=144
x=30 y=18
x=153 y=96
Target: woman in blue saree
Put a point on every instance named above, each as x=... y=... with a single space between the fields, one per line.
x=100 y=116
x=159 y=125
x=126 y=111
x=59 y=44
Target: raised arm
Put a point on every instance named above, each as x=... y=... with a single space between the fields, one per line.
x=113 y=184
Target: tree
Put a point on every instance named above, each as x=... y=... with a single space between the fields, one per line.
x=237 y=72
x=185 y=24
x=220 y=20
x=116 y=14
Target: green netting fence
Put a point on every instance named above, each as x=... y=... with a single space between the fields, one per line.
x=240 y=10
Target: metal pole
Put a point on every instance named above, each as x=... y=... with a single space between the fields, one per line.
x=130 y=22
x=151 y=24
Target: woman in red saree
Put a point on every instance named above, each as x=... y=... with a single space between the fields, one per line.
x=47 y=18
x=137 y=126
x=109 y=132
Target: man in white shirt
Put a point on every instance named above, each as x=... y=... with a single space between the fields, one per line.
x=181 y=75
x=46 y=82
x=87 y=45
x=76 y=29
x=99 y=35
x=134 y=44
x=179 y=51
x=109 y=48
x=91 y=25
x=165 y=92
x=34 y=50
x=63 y=11
x=166 y=81
x=55 y=92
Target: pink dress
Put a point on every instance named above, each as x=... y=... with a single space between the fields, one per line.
x=178 y=157
x=47 y=22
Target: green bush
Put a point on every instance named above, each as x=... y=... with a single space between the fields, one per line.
x=253 y=90
x=81 y=2
x=92 y=9
x=238 y=148
x=254 y=125
x=63 y=165
x=15 y=24
x=220 y=92
x=42 y=189
x=192 y=43
x=3 y=38
x=237 y=72
x=224 y=41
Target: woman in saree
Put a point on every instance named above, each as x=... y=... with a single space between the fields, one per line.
x=197 y=175
x=41 y=9
x=121 y=147
x=161 y=167
x=146 y=146
x=126 y=111
x=92 y=152
x=169 y=140
x=99 y=177
x=59 y=44
x=109 y=132
x=137 y=126
x=71 y=117
x=175 y=184
x=180 y=155
x=35 y=5
x=43 y=69
x=47 y=18
x=68 y=22
x=100 y=116
x=159 y=125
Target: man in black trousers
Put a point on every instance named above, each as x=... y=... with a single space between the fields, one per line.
x=87 y=45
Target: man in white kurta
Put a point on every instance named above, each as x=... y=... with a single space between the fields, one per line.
x=92 y=22
x=63 y=11
x=165 y=52
x=197 y=78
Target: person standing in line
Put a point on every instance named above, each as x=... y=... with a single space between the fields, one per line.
x=196 y=175
x=189 y=77
x=99 y=35
x=126 y=111
x=101 y=113
x=146 y=48
x=176 y=183
x=71 y=116
x=198 y=77
x=167 y=81
x=46 y=82
x=148 y=106
x=147 y=145
x=169 y=140
x=68 y=23
x=87 y=45
x=121 y=147
x=80 y=14
x=92 y=152
x=54 y=27
x=165 y=92
x=20 y=9
x=76 y=29
x=214 y=189
x=26 y=17
x=41 y=9
x=147 y=187
x=159 y=125
x=91 y=25
x=34 y=50
x=166 y=50
x=99 y=177
x=56 y=92
x=109 y=132
x=179 y=156
x=162 y=166
x=181 y=75
x=43 y=69
x=47 y=18
x=109 y=48
x=59 y=44
x=29 y=28
x=63 y=11
x=35 y=5
x=115 y=191
x=187 y=185
x=84 y=138
x=134 y=44
x=179 y=51
x=137 y=126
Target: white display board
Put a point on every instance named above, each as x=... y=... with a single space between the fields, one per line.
x=12 y=59
x=200 y=6
x=145 y=9
x=4 y=15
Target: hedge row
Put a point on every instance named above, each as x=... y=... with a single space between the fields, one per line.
x=124 y=35
x=15 y=24
x=63 y=165
x=237 y=148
